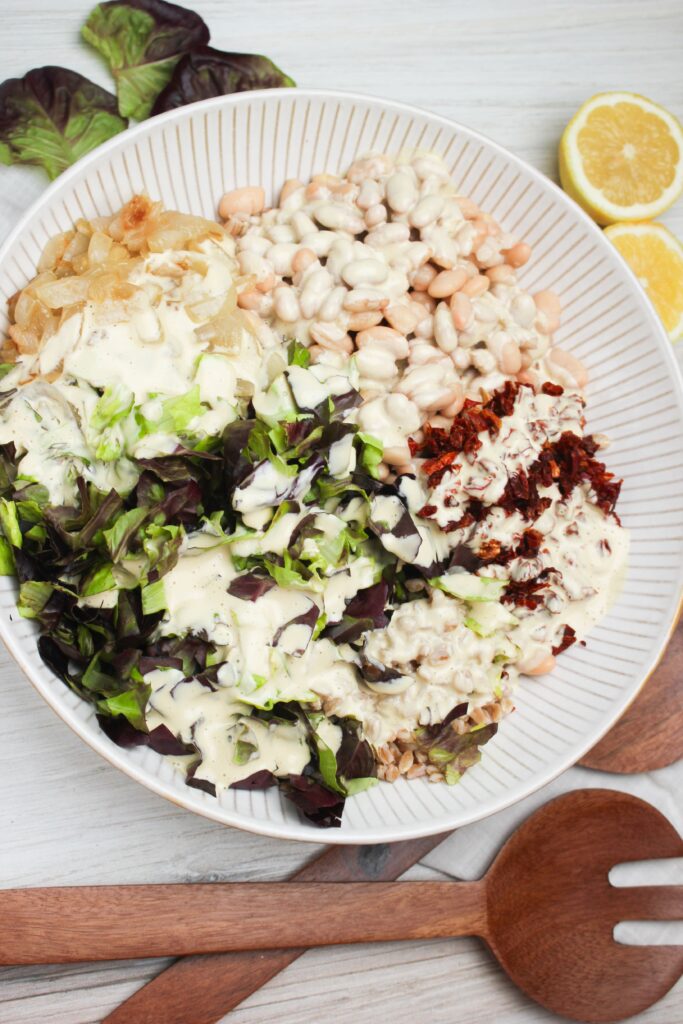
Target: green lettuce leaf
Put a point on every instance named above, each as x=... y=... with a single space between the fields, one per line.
x=371 y=453
x=6 y=558
x=33 y=596
x=142 y=41
x=178 y=413
x=205 y=72
x=52 y=117
x=9 y=521
x=131 y=704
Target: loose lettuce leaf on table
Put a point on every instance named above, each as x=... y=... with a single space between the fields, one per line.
x=51 y=117
x=205 y=72
x=142 y=41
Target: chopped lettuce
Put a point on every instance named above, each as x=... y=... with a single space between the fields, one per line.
x=469 y=587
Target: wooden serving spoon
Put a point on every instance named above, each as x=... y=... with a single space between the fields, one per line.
x=649 y=734
x=546 y=909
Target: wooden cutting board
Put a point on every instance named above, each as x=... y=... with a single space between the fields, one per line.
x=649 y=734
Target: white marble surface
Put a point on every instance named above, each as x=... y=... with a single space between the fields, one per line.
x=515 y=70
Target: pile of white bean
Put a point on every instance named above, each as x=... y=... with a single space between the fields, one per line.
x=391 y=263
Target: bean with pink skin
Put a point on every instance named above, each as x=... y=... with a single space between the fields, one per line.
x=330 y=336
x=302 y=259
x=249 y=200
x=423 y=277
x=502 y=274
x=530 y=377
x=567 y=369
x=370 y=167
x=468 y=207
x=402 y=318
x=447 y=282
x=476 y=286
x=456 y=405
x=359 y=321
x=397 y=456
x=250 y=298
x=423 y=299
x=461 y=311
x=291 y=186
x=537 y=665
x=549 y=306
x=364 y=300
x=506 y=351
x=517 y=255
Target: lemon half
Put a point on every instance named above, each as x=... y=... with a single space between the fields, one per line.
x=621 y=158
x=656 y=258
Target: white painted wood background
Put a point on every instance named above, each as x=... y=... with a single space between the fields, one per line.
x=515 y=70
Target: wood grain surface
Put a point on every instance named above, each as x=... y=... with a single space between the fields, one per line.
x=650 y=734
x=515 y=70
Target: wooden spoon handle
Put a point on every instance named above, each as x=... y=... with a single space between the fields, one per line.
x=204 y=988
x=64 y=925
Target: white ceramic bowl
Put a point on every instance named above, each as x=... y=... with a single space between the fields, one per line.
x=188 y=158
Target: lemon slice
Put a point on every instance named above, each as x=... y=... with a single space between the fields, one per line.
x=621 y=158
x=656 y=258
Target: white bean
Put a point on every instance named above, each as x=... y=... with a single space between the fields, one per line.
x=369 y=195
x=376 y=215
x=317 y=287
x=282 y=233
x=364 y=299
x=252 y=263
x=364 y=272
x=280 y=257
x=303 y=225
x=253 y=243
x=523 y=309
x=338 y=218
x=401 y=192
x=426 y=210
x=286 y=304
x=332 y=306
x=320 y=242
x=444 y=329
x=376 y=364
x=385 y=234
x=430 y=165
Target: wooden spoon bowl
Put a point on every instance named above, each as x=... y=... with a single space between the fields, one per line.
x=546 y=909
x=551 y=929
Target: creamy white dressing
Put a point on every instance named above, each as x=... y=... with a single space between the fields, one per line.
x=232 y=744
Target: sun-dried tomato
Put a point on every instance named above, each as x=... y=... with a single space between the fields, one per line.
x=427 y=511
x=502 y=402
x=527 y=593
x=568 y=638
x=489 y=550
x=552 y=389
